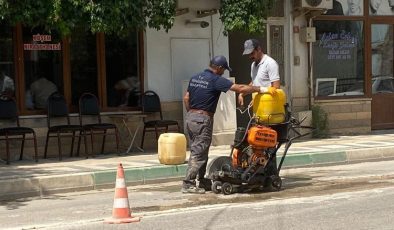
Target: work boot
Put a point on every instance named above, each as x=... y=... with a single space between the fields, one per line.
x=193 y=189
x=205 y=184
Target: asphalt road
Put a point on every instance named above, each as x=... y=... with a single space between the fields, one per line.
x=352 y=196
x=349 y=210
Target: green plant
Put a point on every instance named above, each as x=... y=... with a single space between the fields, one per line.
x=320 y=122
x=245 y=15
x=111 y=17
x=122 y=16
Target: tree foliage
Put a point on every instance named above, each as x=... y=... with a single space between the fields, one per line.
x=122 y=16
x=109 y=16
x=245 y=15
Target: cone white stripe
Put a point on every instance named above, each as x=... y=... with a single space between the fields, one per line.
x=121 y=203
x=120 y=183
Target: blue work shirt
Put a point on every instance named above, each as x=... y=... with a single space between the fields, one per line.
x=204 y=90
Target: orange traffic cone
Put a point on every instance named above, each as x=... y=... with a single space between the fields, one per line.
x=121 y=210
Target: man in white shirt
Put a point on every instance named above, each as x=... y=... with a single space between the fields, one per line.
x=264 y=69
x=264 y=73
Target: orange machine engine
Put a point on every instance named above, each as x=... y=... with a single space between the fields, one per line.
x=258 y=157
x=243 y=160
x=261 y=137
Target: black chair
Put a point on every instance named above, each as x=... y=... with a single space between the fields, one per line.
x=57 y=110
x=150 y=103
x=9 y=115
x=89 y=107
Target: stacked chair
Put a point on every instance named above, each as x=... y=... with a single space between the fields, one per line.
x=151 y=104
x=57 y=111
x=13 y=130
x=89 y=107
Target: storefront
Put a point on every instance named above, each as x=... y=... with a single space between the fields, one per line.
x=115 y=68
x=347 y=70
x=352 y=65
x=37 y=61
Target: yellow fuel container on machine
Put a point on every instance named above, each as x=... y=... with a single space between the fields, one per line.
x=270 y=109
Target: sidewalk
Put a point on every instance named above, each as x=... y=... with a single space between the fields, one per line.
x=27 y=178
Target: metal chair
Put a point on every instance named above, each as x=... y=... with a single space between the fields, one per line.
x=9 y=115
x=57 y=110
x=89 y=107
x=150 y=102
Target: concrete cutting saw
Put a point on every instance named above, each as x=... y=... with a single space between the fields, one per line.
x=252 y=162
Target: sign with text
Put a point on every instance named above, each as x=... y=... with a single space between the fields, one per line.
x=335 y=55
x=38 y=44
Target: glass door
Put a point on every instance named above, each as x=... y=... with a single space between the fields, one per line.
x=382 y=76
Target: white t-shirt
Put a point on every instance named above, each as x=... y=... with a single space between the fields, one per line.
x=265 y=72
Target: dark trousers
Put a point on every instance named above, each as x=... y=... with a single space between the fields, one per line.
x=199 y=129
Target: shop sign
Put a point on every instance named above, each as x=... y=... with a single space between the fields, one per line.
x=335 y=55
x=38 y=44
x=338 y=46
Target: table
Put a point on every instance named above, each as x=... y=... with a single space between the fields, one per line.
x=121 y=119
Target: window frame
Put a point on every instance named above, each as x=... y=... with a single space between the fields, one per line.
x=333 y=80
x=366 y=29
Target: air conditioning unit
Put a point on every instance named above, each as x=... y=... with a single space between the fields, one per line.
x=313 y=4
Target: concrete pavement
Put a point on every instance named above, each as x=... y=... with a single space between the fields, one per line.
x=27 y=178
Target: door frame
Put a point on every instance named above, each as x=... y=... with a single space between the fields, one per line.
x=378 y=108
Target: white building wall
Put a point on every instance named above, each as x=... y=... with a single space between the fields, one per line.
x=158 y=50
x=158 y=70
x=299 y=78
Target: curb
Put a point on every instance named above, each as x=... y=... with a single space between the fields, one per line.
x=47 y=185
x=310 y=159
x=139 y=176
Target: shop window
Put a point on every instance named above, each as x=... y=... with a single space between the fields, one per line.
x=122 y=78
x=7 y=73
x=83 y=60
x=338 y=54
x=42 y=51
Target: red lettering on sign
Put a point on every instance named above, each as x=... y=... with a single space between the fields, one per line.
x=42 y=38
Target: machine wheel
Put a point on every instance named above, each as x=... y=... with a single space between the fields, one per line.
x=276 y=182
x=216 y=187
x=227 y=188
